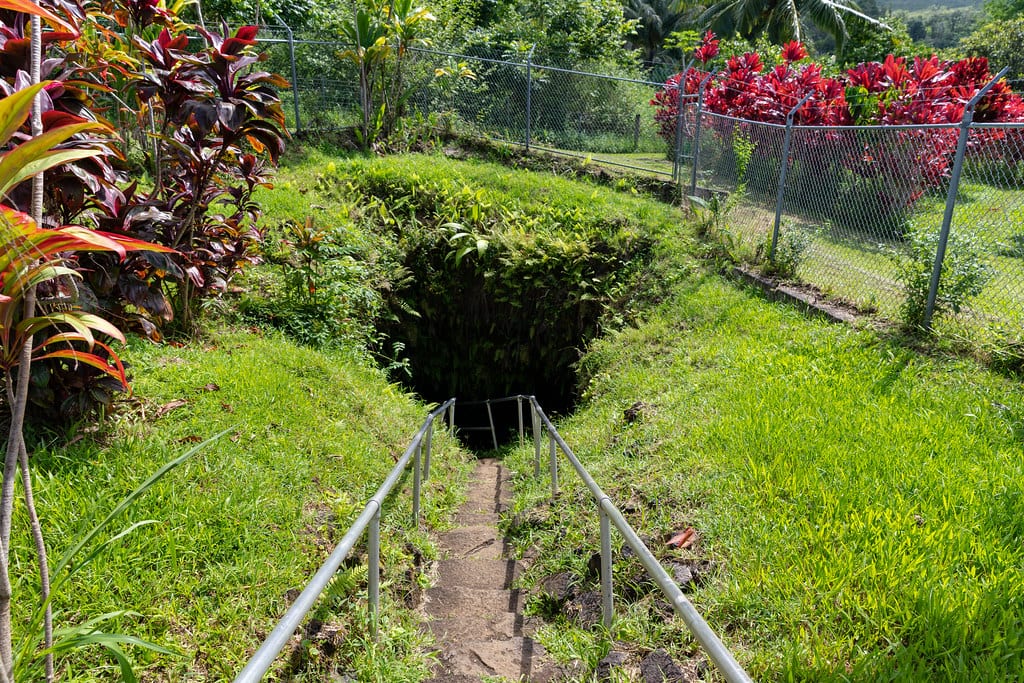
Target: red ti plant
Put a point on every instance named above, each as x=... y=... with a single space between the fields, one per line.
x=37 y=260
x=898 y=166
x=218 y=121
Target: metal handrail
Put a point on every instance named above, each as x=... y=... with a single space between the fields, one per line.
x=610 y=515
x=267 y=653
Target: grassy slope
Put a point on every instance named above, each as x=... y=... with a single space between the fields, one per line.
x=312 y=436
x=863 y=503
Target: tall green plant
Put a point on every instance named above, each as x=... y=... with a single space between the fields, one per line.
x=964 y=274
x=379 y=38
x=34 y=259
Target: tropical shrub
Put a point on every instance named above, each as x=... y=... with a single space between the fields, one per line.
x=842 y=167
x=211 y=124
x=217 y=123
x=379 y=37
x=38 y=322
x=964 y=274
x=324 y=294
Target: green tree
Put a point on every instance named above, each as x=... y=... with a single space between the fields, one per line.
x=570 y=32
x=782 y=21
x=865 y=42
x=655 y=21
x=378 y=40
x=1001 y=42
x=295 y=13
x=1004 y=9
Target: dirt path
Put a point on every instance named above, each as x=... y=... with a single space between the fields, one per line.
x=475 y=615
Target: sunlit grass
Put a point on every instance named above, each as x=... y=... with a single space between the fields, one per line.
x=862 y=502
x=311 y=437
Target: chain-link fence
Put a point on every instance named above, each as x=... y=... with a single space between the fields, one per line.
x=857 y=212
x=324 y=93
x=605 y=118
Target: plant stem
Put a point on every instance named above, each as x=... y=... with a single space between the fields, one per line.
x=17 y=397
x=41 y=555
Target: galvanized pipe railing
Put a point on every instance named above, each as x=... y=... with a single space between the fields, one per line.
x=490 y=427
x=609 y=516
x=267 y=653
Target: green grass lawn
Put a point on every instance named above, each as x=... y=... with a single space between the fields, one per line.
x=311 y=436
x=862 y=504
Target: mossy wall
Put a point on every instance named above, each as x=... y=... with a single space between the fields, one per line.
x=497 y=288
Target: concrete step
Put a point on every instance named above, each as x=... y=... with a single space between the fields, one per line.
x=515 y=658
x=480 y=542
x=461 y=628
x=466 y=517
x=454 y=678
x=443 y=602
x=473 y=573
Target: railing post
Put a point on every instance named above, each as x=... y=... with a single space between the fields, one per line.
x=373 y=581
x=783 y=170
x=519 y=404
x=451 y=419
x=529 y=94
x=536 y=439
x=553 y=463
x=416 y=485
x=490 y=420
x=954 y=187
x=696 y=134
x=607 y=604
x=426 y=457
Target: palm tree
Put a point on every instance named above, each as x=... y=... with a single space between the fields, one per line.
x=656 y=20
x=782 y=20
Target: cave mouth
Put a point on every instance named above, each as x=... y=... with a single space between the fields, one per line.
x=554 y=387
x=475 y=346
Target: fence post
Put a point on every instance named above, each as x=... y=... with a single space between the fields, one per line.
x=553 y=464
x=696 y=134
x=490 y=421
x=373 y=581
x=295 y=74
x=519 y=405
x=954 y=186
x=529 y=94
x=636 y=132
x=416 y=485
x=783 y=169
x=676 y=165
x=536 y=437
x=607 y=605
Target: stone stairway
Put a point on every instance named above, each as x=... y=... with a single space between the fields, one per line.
x=474 y=614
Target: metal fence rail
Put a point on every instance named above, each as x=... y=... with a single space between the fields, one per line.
x=610 y=516
x=267 y=653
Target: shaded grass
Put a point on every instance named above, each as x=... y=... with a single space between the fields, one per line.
x=250 y=518
x=862 y=503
